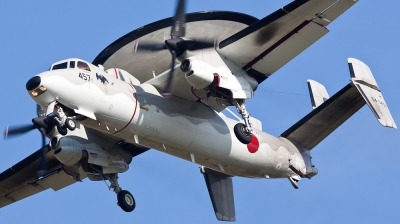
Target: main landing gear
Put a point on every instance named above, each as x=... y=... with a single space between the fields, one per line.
x=244 y=131
x=125 y=198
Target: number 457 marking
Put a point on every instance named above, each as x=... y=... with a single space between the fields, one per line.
x=84 y=76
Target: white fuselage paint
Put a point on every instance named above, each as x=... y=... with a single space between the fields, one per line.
x=186 y=129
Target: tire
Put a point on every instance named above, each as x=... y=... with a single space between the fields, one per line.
x=70 y=124
x=126 y=201
x=62 y=130
x=241 y=135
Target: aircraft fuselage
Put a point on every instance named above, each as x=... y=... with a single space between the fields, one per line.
x=186 y=129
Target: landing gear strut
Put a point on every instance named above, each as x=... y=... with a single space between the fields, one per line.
x=125 y=198
x=63 y=123
x=244 y=131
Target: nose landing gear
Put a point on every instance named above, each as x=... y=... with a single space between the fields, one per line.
x=63 y=123
x=244 y=131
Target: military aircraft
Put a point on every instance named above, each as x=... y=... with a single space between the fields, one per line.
x=164 y=87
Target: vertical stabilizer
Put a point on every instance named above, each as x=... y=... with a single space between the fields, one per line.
x=318 y=93
x=220 y=188
x=364 y=81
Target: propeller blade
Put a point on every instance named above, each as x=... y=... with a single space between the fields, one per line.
x=193 y=45
x=43 y=138
x=168 y=89
x=18 y=130
x=179 y=20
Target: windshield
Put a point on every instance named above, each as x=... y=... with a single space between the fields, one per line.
x=63 y=65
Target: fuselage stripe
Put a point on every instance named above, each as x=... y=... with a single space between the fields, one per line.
x=116 y=74
x=134 y=112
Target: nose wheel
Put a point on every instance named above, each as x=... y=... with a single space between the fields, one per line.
x=63 y=123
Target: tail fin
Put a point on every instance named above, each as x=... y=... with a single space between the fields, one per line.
x=318 y=93
x=364 y=81
x=329 y=115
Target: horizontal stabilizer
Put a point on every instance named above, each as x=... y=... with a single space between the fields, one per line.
x=365 y=82
x=220 y=188
x=318 y=93
x=323 y=120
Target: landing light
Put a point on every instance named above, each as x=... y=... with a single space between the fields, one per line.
x=38 y=91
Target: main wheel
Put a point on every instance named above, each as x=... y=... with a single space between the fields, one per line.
x=70 y=124
x=126 y=201
x=241 y=134
x=62 y=130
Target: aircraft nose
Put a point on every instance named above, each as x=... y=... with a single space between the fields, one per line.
x=33 y=83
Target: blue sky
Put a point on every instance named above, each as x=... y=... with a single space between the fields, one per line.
x=358 y=164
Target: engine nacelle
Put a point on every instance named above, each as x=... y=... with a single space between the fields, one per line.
x=199 y=74
x=67 y=153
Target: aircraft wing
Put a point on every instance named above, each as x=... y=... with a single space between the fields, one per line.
x=268 y=44
x=21 y=180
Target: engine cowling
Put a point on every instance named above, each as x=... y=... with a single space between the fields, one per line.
x=70 y=151
x=67 y=153
x=197 y=73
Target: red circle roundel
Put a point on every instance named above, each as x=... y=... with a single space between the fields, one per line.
x=253 y=145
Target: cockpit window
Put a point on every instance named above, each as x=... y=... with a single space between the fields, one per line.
x=63 y=65
x=83 y=66
x=72 y=64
